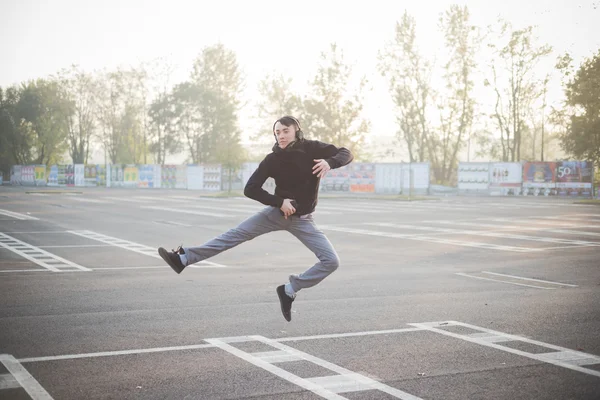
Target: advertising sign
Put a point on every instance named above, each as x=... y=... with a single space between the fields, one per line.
x=539 y=178
x=574 y=178
x=473 y=176
x=505 y=178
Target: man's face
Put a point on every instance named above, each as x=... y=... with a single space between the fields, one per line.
x=285 y=134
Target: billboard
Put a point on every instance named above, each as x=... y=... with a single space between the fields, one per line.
x=505 y=178
x=574 y=178
x=473 y=176
x=539 y=178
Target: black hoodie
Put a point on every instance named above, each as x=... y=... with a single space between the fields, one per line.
x=292 y=169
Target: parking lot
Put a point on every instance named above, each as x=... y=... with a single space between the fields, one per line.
x=458 y=298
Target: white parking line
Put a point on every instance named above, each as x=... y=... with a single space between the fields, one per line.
x=202 y=346
x=502 y=235
x=27 y=382
x=429 y=239
x=325 y=386
x=529 y=279
x=23 y=217
x=288 y=376
x=557 y=355
x=35 y=254
x=132 y=246
x=186 y=211
x=87 y=200
x=362 y=382
x=501 y=281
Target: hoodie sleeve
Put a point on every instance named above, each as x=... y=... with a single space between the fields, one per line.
x=254 y=190
x=336 y=157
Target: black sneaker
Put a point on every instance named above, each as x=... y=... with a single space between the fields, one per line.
x=172 y=258
x=286 y=303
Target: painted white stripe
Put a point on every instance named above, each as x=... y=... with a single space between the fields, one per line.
x=349 y=334
x=173 y=223
x=26 y=270
x=132 y=246
x=340 y=370
x=37 y=255
x=186 y=211
x=115 y=353
x=7 y=381
x=160 y=199
x=429 y=239
x=296 y=380
x=529 y=279
x=117 y=268
x=17 y=215
x=501 y=281
x=37 y=232
x=341 y=383
x=235 y=339
x=485 y=233
x=539 y=357
x=522 y=228
x=73 y=245
x=275 y=356
x=27 y=382
x=86 y=200
x=127 y=199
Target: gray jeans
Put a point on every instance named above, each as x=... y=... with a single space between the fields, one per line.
x=269 y=220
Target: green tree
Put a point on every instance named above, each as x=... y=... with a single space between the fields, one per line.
x=582 y=136
x=43 y=109
x=333 y=113
x=408 y=75
x=81 y=91
x=164 y=140
x=218 y=83
x=15 y=140
x=456 y=105
x=514 y=84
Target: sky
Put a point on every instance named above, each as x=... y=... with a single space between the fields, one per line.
x=38 y=38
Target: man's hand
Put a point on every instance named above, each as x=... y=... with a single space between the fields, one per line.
x=321 y=167
x=287 y=208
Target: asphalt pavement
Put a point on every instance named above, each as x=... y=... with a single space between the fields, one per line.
x=456 y=298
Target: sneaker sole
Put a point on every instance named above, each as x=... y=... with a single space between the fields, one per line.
x=280 y=293
x=164 y=254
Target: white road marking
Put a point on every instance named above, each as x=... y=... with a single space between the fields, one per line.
x=27 y=382
x=115 y=353
x=87 y=200
x=39 y=232
x=349 y=334
x=38 y=256
x=288 y=376
x=26 y=270
x=501 y=281
x=567 y=358
x=73 y=245
x=429 y=239
x=127 y=199
x=226 y=340
x=486 y=234
x=132 y=246
x=186 y=211
x=360 y=380
x=7 y=381
x=529 y=279
x=521 y=227
x=22 y=217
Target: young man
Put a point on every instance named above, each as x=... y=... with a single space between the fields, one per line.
x=297 y=165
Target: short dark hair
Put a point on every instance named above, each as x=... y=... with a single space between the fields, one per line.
x=287 y=120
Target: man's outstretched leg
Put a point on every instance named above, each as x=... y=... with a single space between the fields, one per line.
x=313 y=238
x=260 y=223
